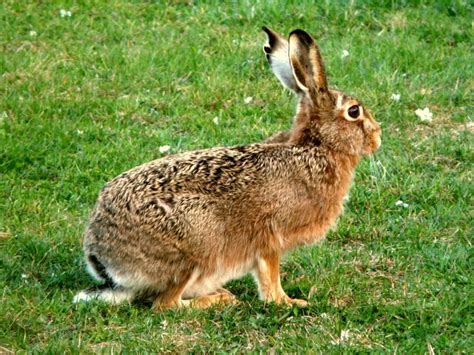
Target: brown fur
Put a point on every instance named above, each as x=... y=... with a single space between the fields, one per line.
x=181 y=226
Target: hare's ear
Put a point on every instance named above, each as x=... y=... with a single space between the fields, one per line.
x=276 y=51
x=307 y=66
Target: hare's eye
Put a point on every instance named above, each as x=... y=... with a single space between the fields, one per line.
x=353 y=111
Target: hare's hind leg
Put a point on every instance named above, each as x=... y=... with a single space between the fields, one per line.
x=267 y=274
x=220 y=296
x=107 y=294
x=172 y=297
x=169 y=298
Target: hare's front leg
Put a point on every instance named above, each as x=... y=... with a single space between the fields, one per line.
x=267 y=274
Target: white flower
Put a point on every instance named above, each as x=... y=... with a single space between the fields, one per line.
x=215 y=120
x=33 y=34
x=24 y=276
x=324 y=316
x=3 y=116
x=345 y=334
x=425 y=115
x=80 y=132
x=401 y=203
x=65 y=13
x=164 y=148
x=345 y=53
x=396 y=97
x=248 y=99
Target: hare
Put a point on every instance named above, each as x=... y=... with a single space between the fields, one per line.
x=178 y=228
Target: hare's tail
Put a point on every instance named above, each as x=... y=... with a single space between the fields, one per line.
x=109 y=291
x=98 y=270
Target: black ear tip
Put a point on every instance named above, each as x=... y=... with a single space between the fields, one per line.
x=272 y=37
x=302 y=35
x=268 y=31
x=297 y=31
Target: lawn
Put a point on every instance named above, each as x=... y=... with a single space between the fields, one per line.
x=95 y=89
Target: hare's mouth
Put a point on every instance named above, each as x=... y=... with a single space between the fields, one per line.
x=378 y=141
x=375 y=142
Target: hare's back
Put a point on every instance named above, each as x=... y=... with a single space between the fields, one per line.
x=214 y=172
x=186 y=183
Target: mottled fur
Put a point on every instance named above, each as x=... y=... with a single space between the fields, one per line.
x=179 y=227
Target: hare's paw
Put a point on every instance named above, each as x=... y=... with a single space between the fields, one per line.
x=296 y=301
x=222 y=297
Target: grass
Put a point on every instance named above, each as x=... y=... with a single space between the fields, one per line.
x=85 y=97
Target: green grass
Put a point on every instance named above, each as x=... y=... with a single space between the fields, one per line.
x=85 y=97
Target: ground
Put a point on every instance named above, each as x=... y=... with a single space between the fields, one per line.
x=89 y=90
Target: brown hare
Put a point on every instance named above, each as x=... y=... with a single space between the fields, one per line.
x=178 y=228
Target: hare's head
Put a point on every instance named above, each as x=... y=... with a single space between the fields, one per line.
x=324 y=116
